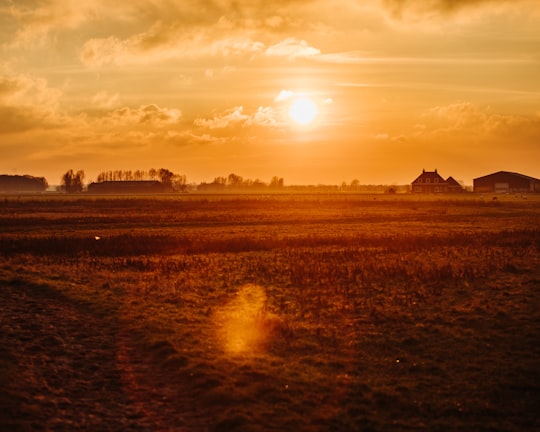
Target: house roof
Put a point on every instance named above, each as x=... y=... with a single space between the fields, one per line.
x=452 y=182
x=510 y=173
x=431 y=175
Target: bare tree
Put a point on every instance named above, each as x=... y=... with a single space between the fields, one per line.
x=235 y=180
x=276 y=182
x=166 y=177
x=73 y=182
x=179 y=182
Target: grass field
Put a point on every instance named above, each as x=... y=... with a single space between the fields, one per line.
x=271 y=313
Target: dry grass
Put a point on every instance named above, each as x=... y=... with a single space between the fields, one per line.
x=306 y=312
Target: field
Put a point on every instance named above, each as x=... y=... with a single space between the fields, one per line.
x=270 y=313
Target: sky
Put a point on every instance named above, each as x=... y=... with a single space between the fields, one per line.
x=205 y=88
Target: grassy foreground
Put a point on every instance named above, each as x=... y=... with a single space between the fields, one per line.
x=284 y=312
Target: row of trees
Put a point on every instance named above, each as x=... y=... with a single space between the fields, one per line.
x=170 y=180
x=73 y=182
x=22 y=183
x=236 y=182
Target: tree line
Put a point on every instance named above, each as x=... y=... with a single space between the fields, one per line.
x=234 y=182
x=170 y=180
x=73 y=182
x=22 y=183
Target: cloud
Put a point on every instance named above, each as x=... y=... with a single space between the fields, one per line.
x=292 y=48
x=145 y=115
x=26 y=90
x=468 y=119
x=99 y=52
x=236 y=117
x=162 y=42
x=264 y=116
x=233 y=116
x=284 y=95
x=440 y=5
x=15 y=119
x=413 y=9
x=27 y=103
x=36 y=20
x=350 y=58
x=104 y=100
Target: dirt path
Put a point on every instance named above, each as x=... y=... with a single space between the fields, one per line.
x=63 y=367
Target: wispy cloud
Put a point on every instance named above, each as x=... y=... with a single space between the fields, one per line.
x=292 y=48
x=162 y=42
x=148 y=115
x=27 y=103
x=468 y=118
x=26 y=90
x=442 y=6
x=284 y=95
x=104 y=100
x=237 y=117
x=37 y=21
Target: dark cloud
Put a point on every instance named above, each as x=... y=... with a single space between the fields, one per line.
x=243 y=13
x=398 y=7
x=20 y=119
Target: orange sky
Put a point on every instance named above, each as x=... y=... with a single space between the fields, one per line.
x=204 y=87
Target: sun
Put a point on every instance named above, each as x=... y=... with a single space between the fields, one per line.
x=303 y=111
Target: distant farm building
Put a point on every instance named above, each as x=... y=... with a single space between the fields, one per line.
x=126 y=187
x=506 y=182
x=432 y=182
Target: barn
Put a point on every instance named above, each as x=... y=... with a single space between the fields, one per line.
x=506 y=182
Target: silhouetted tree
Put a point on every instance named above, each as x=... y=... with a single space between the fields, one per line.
x=179 y=182
x=73 y=182
x=220 y=181
x=276 y=182
x=258 y=184
x=166 y=178
x=234 y=180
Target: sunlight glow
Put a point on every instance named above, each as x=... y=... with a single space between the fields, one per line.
x=303 y=111
x=244 y=326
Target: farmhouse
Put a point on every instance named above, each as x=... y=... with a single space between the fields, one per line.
x=126 y=187
x=506 y=182
x=432 y=182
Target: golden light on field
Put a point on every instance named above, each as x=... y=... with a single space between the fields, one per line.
x=240 y=323
x=303 y=111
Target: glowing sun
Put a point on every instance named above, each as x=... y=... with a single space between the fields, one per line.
x=303 y=111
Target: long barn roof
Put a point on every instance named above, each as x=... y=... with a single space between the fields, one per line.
x=510 y=173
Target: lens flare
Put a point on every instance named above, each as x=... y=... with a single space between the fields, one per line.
x=243 y=323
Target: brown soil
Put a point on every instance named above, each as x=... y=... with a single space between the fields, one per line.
x=66 y=367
